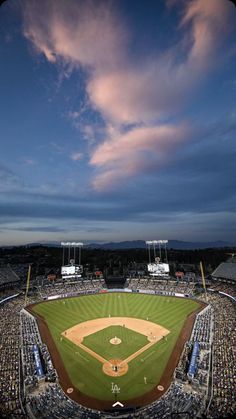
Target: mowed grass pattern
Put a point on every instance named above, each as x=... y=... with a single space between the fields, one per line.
x=131 y=342
x=85 y=371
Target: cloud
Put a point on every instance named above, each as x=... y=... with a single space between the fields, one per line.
x=36 y=229
x=73 y=115
x=136 y=150
x=29 y=162
x=161 y=84
x=194 y=195
x=132 y=93
x=78 y=32
x=209 y=20
x=76 y=156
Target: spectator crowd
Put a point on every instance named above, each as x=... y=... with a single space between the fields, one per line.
x=161 y=286
x=10 y=374
x=70 y=288
x=223 y=401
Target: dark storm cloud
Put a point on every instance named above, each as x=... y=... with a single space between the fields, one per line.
x=31 y=210
x=200 y=178
x=44 y=229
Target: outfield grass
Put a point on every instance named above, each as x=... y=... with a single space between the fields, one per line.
x=85 y=371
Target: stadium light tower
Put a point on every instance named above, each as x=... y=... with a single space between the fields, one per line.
x=162 y=242
x=70 y=245
x=154 y=242
x=149 y=242
x=71 y=270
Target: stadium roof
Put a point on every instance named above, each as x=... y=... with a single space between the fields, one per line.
x=226 y=270
x=7 y=275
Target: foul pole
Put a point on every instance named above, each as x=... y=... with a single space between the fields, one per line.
x=27 y=284
x=203 y=279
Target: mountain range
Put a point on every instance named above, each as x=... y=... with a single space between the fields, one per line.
x=172 y=244
x=140 y=244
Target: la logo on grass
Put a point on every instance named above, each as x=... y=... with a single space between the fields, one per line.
x=115 y=388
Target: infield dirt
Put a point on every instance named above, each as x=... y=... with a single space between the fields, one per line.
x=154 y=332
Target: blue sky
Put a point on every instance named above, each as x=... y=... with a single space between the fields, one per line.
x=118 y=120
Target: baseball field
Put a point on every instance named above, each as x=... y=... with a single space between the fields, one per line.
x=115 y=344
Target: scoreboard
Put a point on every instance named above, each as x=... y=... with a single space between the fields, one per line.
x=71 y=271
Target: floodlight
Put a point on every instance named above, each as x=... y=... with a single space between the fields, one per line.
x=162 y=241
x=72 y=244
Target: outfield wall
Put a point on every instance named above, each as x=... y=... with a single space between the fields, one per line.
x=150 y=292
x=125 y=290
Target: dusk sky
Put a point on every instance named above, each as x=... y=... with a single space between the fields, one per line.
x=117 y=120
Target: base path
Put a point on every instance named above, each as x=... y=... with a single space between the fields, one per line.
x=154 y=332
x=92 y=353
x=140 y=351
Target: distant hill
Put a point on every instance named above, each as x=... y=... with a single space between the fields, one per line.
x=172 y=244
x=140 y=244
x=132 y=244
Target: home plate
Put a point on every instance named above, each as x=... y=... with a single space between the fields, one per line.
x=117 y=404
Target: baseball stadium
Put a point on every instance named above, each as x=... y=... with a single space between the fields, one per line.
x=153 y=348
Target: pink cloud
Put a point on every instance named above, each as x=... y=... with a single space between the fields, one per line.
x=134 y=152
x=76 y=32
x=127 y=91
x=159 y=139
x=140 y=95
x=114 y=176
x=124 y=91
x=209 y=20
x=143 y=92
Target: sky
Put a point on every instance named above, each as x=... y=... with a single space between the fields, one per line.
x=117 y=120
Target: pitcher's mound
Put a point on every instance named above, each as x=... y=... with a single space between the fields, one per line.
x=115 y=341
x=115 y=367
